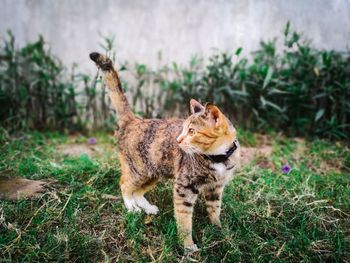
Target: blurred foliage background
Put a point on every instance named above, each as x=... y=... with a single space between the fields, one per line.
x=299 y=90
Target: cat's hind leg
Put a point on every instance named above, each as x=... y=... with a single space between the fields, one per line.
x=133 y=188
x=128 y=186
x=141 y=201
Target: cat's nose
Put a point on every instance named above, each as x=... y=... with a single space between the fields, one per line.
x=180 y=139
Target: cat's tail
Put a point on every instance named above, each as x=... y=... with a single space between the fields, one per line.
x=112 y=81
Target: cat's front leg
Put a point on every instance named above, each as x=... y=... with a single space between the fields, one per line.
x=185 y=197
x=213 y=200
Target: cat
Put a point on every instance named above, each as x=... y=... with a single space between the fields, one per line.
x=199 y=153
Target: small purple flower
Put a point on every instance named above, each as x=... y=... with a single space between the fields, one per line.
x=92 y=141
x=286 y=168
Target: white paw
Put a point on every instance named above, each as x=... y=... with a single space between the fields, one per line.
x=191 y=249
x=142 y=202
x=135 y=209
x=151 y=210
x=131 y=205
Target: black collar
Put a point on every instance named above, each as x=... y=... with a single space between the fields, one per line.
x=224 y=157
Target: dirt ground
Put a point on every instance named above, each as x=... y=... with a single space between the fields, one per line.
x=77 y=149
x=248 y=154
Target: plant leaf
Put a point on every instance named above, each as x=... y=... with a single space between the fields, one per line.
x=277 y=91
x=268 y=77
x=286 y=30
x=273 y=105
x=263 y=101
x=238 y=51
x=319 y=114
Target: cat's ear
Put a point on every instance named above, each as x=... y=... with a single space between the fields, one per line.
x=196 y=106
x=214 y=114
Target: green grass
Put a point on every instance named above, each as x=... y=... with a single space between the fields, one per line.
x=267 y=216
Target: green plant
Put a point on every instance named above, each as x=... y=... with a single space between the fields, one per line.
x=38 y=92
x=31 y=91
x=300 y=90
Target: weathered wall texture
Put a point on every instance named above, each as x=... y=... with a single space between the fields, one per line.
x=178 y=28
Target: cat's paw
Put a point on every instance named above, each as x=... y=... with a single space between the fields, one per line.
x=191 y=249
x=135 y=209
x=151 y=210
x=217 y=223
x=131 y=205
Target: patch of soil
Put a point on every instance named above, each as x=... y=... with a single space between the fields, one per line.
x=263 y=140
x=20 y=188
x=265 y=163
x=75 y=149
x=301 y=148
x=248 y=154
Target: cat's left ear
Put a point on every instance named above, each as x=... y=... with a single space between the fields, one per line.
x=196 y=106
x=214 y=114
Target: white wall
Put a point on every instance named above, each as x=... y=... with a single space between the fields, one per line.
x=178 y=28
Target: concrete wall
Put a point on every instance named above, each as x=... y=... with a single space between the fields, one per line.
x=178 y=28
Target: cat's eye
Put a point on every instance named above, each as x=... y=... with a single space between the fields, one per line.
x=191 y=131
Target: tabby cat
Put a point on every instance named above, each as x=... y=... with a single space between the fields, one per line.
x=199 y=153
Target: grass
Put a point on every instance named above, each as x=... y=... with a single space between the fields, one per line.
x=303 y=216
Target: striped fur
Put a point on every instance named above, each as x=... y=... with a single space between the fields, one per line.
x=153 y=149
